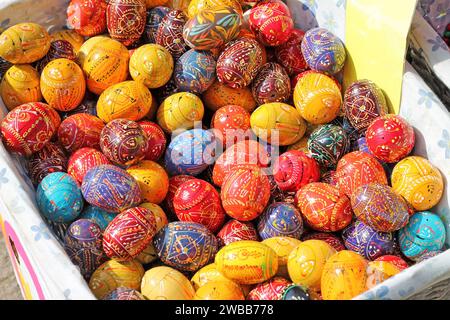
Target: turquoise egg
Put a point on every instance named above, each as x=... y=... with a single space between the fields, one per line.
x=101 y=217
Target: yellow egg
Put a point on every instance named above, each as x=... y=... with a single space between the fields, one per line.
x=105 y=64
x=278 y=123
x=154 y=3
x=75 y=39
x=344 y=276
x=147 y=255
x=151 y=64
x=219 y=95
x=418 y=181
x=247 y=262
x=62 y=84
x=125 y=100
x=380 y=271
x=306 y=262
x=152 y=179
x=113 y=274
x=318 y=98
x=24 y=43
x=197 y=5
x=180 y=111
x=208 y=273
x=86 y=47
x=219 y=290
x=165 y=283
x=283 y=247
x=158 y=212
x=20 y=85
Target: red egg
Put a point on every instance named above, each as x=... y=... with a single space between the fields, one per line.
x=235 y=230
x=356 y=169
x=329 y=238
x=48 y=160
x=197 y=201
x=80 y=130
x=289 y=54
x=27 y=128
x=87 y=17
x=174 y=183
x=395 y=260
x=84 y=159
x=271 y=84
x=390 y=138
x=294 y=169
x=126 y=20
x=156 y=143
x=245 y=193
x=170 y=33
x=269 y=290
x=271 y=22
x=129 y=233
x=232 y=123
x=324 y=207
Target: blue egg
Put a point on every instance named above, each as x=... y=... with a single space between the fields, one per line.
x=191 y=152
x=424 y=232
x=98 y=215
x=195 y=71
x=59 y=198
x=280 y=220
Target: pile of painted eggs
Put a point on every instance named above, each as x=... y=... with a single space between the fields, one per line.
x=207 y=153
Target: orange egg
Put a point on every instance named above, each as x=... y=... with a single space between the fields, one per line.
x=219 y=95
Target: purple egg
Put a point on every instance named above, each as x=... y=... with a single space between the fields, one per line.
x=280 y=220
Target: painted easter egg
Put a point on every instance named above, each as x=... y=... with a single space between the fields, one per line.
x=87 y=46
x=278 y=124
x=114 y=274
x=71 y=36
x=295 y=292
x=356 y=169
x=282 y=246
x=129 y=233
x=156 y=140
x=123 y=142
x=379 y=207
x=395 y=260
x=424 y=232
x=190 y=152
x=289 y=54
x=59 y=198
x=240 y=62
x=324 y=207
x=87 y=17
x=48 y=160
x=418 y=181
x=390 y=138
x=232 y=123
x=27 y=128
x=235 y=230
x=154 y=18
x=208 y=274
x=306 y=262
x=125 y=20
x=323 y=51
x=271 y=22
x=152 y=179
x=333 y=240
x=219 y=290
x=58 y=49
x=327 y=144
x=294 y=169
x=318 y=98
x=368 y=242
x=247 y=262
x=280 y=220
x=170 y=33
x=186 y=246
x=20 y=85
x=123 y=293
x=24 y=43
x=219 y=95
x=80 y=131
x=83 y=160
x=212 y=28
x=269 y=290
x=110 y=188
x=101 y=217
x=105 y=63
x=83 y=244
x=195 y=71
x=271 y=84
x=344 y=276
x=174 y=183
x=165 y=283
x=378 y=272
x=198 y=201
x=363 y=103
x=195 y=6
x=180 y=111
x=245 y=193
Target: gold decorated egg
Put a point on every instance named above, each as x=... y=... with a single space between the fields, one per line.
x=105 y=64
x=114 y=274
x=165 y=283
x=195 y=6
x=125 y=100
x=278 y=123
x=219 y=95
x=24 y=43
x=317 y=97
x=75 y=39
x=283 y=246
x=207 y=274
x=86 y=47
x=219 y=290
x=307 y=261
x=344 y=276
x=152 y=179
x=20 y=85
x=180 y=111
x=158 y=212
x=154 y=3
x=151 y=64
x=62 y=84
